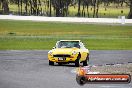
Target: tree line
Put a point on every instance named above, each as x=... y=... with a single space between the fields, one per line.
x=59 y=7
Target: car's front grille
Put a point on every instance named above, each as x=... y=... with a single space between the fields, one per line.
x=61 y=55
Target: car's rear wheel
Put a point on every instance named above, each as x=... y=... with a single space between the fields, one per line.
x=51 y=62
x=85 y=63
x=77 y=62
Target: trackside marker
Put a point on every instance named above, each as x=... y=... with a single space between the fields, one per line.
x=84 y=75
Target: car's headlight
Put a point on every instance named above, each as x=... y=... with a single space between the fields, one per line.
x=50 y=52
x=74 y=53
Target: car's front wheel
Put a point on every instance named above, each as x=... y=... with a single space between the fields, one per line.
x=77 y=62
x=51 y=62
x=85 y=63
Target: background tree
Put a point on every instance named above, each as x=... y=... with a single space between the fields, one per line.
x=61 y=7
x=130 y=12
x=79 y=5
x=26 y=6
x=95 y=4
x=5 y=7
x=18 y=3
x=0 y=4
x=87 y=3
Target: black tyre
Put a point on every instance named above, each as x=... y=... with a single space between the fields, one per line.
x=77 y=62
x=51 y=63
x=85 y=63
x=81 y=80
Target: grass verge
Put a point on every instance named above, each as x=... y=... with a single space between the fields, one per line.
x=24 y=35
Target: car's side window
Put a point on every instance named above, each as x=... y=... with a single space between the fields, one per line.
x=77 y=45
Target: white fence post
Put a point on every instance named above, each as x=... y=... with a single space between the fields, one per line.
x=122 y=19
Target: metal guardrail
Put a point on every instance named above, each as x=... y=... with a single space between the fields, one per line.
x=120 y=20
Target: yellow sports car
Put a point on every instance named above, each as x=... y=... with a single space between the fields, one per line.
x=69 y=51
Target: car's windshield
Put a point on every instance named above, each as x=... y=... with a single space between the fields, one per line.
x=68 y=44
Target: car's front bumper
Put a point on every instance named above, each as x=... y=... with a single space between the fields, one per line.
x=72 y=58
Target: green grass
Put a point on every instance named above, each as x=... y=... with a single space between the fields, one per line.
x=23 y=35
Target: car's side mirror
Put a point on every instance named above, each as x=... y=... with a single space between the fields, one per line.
x=53 y=47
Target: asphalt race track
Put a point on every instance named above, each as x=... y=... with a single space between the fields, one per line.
x=30 y=69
